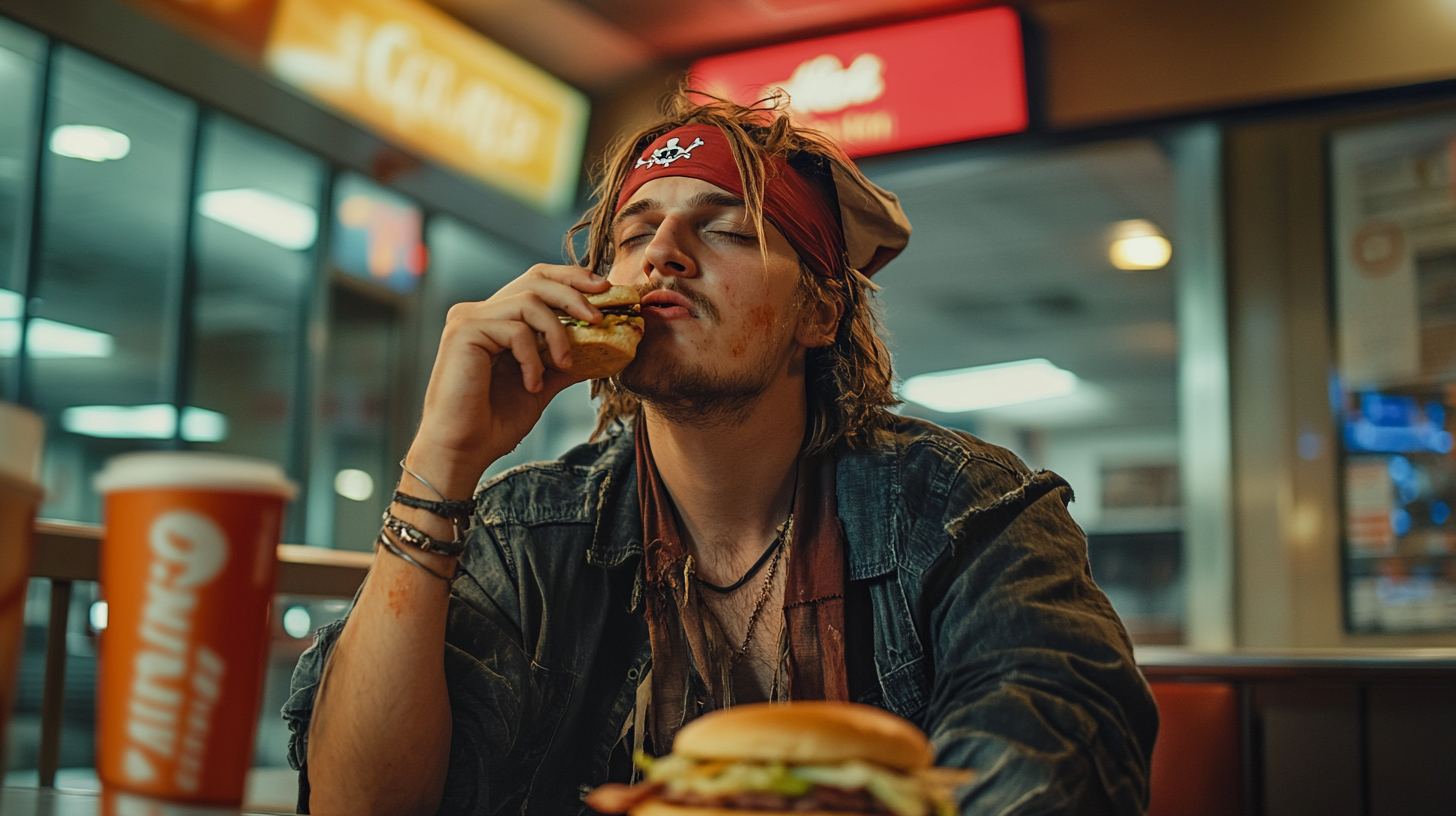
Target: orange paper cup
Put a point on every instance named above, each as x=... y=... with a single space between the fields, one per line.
x=188 y=568
x=21 y=433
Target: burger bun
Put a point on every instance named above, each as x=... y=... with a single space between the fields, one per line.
x=602 y=349
x=804 y=733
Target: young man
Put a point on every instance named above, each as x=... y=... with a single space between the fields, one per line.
x=750 y=524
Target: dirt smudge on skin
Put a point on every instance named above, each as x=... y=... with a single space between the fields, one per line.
x=761 y=317
x=395 y=597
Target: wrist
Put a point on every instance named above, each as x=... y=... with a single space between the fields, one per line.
x=428 y=473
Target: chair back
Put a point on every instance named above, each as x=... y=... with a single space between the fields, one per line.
x=1197 y=762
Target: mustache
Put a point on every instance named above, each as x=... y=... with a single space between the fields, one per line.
x=701 y=304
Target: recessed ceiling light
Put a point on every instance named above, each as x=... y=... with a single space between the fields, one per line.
x=992 y=386
x=90 y=142
x=1139 y=245
x=354 y=484
x=297 y=622
x=275 y=219
x=144 y=422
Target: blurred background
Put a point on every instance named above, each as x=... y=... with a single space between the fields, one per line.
x=1199 y=258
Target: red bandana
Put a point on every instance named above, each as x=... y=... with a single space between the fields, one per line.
x=796 y=205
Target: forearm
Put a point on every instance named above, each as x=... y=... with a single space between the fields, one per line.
x=379 y=740
x=1035 y=685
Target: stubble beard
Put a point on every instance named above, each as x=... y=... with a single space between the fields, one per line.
x=693 y=396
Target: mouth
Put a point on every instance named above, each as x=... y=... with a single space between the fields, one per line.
x=667 y=305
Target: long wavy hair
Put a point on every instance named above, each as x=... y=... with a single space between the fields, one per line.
x=849 y=383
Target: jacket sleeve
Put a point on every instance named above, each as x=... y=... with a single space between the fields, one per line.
x=1035 y=686
x=496 y=694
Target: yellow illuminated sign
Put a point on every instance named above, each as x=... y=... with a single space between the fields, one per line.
x=422 y=79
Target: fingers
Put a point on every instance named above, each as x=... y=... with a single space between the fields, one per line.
x=521 y=342
x=544 y=321
x=566 y=298
x=513 y=318
x=562 y=287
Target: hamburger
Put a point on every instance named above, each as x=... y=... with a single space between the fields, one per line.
x=602 y=349
x=790 y=759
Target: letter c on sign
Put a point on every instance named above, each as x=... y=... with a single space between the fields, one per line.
x=193 y=542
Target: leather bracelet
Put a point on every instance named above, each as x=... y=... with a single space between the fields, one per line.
x=451 y=509
x=413 y=536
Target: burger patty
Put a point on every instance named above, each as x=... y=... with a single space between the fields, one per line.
x=819 y=798
x=609 y=318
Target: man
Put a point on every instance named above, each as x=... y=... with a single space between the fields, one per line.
x=750 y=524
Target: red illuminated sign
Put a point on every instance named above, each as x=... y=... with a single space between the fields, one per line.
x=893 y=88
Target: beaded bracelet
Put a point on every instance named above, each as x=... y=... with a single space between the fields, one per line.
x=415 y=537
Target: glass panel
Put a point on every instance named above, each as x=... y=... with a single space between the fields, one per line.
x=258 y=205
x=1016 y=259
x=1395 y=286
x=115 y=204
x=352 y=466
x=21 y=52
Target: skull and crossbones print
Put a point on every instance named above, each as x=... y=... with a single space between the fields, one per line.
x=670 y=152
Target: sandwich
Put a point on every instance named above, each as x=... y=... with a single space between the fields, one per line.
x=790 y=759
x=602 y=349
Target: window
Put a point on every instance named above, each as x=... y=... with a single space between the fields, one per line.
x=256 y=228
x=103 y=333
x=1012 y=284
x=21 y=55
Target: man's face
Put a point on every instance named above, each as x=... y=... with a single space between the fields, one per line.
x=720 y=320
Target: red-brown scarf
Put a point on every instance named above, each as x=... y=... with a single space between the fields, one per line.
x=689 y=677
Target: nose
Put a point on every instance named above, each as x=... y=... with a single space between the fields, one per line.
x=667 y=254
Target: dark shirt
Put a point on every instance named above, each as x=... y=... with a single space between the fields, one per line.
x=988 y=631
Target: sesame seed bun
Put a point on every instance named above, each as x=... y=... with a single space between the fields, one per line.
x=804 y=733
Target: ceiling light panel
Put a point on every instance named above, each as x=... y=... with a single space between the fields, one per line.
x=980 y=387
x=92 y=143
x=269 y=216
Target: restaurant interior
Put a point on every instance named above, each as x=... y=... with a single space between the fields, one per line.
x=1198 y=259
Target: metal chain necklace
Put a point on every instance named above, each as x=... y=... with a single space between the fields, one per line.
x=780 y=543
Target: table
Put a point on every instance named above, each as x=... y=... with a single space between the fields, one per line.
x=54 y=802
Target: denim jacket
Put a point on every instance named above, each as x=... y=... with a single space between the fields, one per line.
x=988 y=631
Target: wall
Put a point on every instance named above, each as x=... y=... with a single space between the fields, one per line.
x=1119 y=60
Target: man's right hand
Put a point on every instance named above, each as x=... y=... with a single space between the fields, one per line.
x=489 y=385
x=379 y=740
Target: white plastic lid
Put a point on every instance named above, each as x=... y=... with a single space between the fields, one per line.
x=22 y=436
x=212 y=471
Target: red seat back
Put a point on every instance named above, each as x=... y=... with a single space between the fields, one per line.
x=1197 y=767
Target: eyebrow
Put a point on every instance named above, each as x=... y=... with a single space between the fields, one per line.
x=707 y=198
